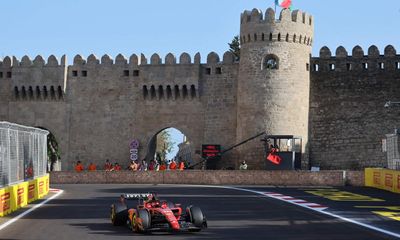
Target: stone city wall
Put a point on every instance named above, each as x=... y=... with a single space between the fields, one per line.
x=275 y=178
x=348 y=119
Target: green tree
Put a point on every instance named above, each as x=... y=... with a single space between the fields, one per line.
x=164 y=144
x=234 y=47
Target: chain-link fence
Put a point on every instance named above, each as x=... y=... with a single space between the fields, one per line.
x=393 y=150
x=23 y=153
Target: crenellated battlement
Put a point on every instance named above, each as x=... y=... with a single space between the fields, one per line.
x=291 y=27
x=38 y=61
x=357 y=61
x=155 y=59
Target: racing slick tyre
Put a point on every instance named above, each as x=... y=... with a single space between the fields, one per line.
x=146 y=219
x=119 y=214
x=195 y=216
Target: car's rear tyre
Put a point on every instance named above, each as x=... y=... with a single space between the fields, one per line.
x=146 y=219
x=196 y=217
x=119 y=214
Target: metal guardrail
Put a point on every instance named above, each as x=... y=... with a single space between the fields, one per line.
x=23 y=153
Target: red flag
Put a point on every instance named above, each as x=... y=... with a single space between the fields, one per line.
x=273 y=157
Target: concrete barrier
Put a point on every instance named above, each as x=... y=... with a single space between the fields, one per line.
x=275 y=178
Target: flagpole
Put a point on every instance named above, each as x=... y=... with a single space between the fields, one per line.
x=275 y=6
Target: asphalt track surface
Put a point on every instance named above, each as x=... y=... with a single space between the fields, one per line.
x=82 y=212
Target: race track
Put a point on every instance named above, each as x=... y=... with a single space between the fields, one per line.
x=82 y=212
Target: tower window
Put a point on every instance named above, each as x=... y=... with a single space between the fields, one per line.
x=316 y=68
x=218 y=70
x=126 y=73
x=255 y=37
x=332 y=67
x=271 y=62
x=136 y=73
x=397 y=65
x=307 y=67
x=381 y=65
x=84 y=73
x=349 y=67
x=74 y=73
x=1 y=74
x=365 y=65
x=208 y=71
x=9 y=74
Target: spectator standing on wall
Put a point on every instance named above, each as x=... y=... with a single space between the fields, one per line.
x=243 y=166
x=172 y=165
x=79 y=167
x=108 y=166
x=143 y=165
x=92 y=167
x=116 y=167
x=163 y=166
x=181 y=166
x=133 y=166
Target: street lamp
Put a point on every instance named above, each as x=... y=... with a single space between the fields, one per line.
x=390 y=103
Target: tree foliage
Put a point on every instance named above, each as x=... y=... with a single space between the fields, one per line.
x=234 y=47
x=164 y=144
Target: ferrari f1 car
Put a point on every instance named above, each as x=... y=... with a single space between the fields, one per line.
x=151 y=214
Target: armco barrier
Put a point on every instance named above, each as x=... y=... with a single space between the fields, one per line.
x=19 y=195
x=276 y=178
x=383 y=179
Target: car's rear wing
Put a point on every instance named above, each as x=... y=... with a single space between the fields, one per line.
x=136 y=196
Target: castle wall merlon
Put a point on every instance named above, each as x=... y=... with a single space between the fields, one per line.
x=134 y=60
x=93 y=60
x=25 y=61
x=212 y=58
x=155 y=59
x=185 y=59
x=106 y=60
x=15 y=61
x=7 y=62
x=228 y=58
x=143 y=59
x=121 y=60
x=390 y=51
x=197 y=58
x=341 y=52
x=52 y=61
x=78 y=60
x=358 y=52
x=325 y=53
x=170 y=59
x=373 y=52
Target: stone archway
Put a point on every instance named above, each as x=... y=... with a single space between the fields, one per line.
x=181 y=148
x=53 y=151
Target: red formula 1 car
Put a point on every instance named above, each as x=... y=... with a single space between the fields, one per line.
x=151 y=214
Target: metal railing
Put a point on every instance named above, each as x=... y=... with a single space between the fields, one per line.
x=23 y=153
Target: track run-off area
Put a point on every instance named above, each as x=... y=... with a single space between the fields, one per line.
x=82 y=212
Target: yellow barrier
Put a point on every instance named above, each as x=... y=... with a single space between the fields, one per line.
x=5 y=201
x=19 y=195
x=383 y=179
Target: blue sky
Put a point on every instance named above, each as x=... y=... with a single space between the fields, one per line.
x=31 y=27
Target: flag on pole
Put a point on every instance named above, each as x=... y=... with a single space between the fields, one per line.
x=283 y=3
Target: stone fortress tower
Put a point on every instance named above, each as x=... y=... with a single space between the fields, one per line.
x=274 y=78
x=96 y=107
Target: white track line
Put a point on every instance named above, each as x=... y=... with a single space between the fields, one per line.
x=13 y=220
x=318 y=209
